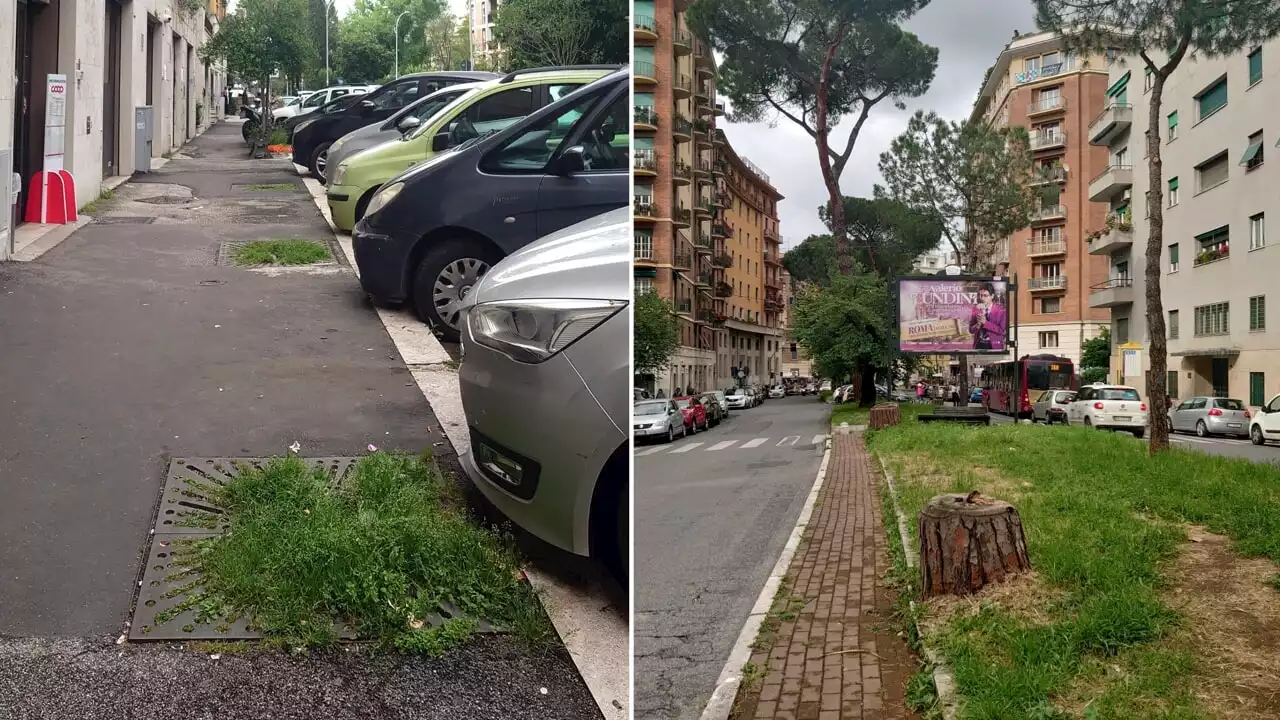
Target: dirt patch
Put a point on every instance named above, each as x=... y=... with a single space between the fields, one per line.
x=1234 y=618
x=1025 y=596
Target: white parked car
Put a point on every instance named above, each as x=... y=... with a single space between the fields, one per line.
x=1265 y=425
x=311 y=102
x=826 y=385
x=777 y=391
x=1112 y=407
x=739 y=399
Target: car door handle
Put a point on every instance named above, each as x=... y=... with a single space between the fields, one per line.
x=509 y=220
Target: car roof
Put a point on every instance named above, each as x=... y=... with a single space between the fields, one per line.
x=470 y=74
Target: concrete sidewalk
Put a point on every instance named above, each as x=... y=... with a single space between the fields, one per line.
x=838 y=658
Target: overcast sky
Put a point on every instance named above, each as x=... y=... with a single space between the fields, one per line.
x=969 y=34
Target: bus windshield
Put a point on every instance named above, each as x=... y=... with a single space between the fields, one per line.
x=1045 y=376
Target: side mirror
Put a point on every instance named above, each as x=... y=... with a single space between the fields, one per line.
x=407 y=124
x=570 y=162
x=367 y=106
x=440 y=142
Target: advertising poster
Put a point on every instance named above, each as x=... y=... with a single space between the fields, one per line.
x=952 y=315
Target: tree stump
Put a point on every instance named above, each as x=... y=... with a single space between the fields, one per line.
x=884 y=415
x=968 y=541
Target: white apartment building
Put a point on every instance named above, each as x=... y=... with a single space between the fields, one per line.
x=116 y=55
x=481 y=15
x=934 y=261
x=1217 y=121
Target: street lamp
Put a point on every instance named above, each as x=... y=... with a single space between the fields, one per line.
x=328 y=7
x=397 y=31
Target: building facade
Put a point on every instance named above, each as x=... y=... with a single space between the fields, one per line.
x=794 y=362
x=1217 y=120
x=481 y=16
x=116 y=55
x=1037 y=84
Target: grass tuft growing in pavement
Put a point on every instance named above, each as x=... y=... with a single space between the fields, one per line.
x=281 y=251
x=273 y=186
x=378 y=555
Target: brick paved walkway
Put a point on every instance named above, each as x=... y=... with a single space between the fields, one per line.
x=839 y=656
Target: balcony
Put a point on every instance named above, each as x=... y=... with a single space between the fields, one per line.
x=724 y=290
x=702 y=55
x=645 y=117
x=702 y=170
x=681 y=217
x=681 y=129
x=684 y=307
x=703 y=244
x=643 y=73
x=682 y=42
x=1041 y=247
x=1042 y=284
x=701 y=280
x=722 y=261
x=644 y=208
x=720 y=108
x=723 y=199
x=645 y=29
x=1212 y=253
x=1047 y=106
x=1048 y=71
x=1048 y=141
x=681 y=86
x=1049 y=213
x=1110 y=123
x=681 y=173
x=682 y=261
x=644 y=248
x=711 y=317
x=1113 y=180
x=771 y=233
x=720 y=168
x=719 y=230
x=644 y=162
x=702 y=126
x=1116 y=236
x=703 y=207
x=1048 y=176
x=1116 y=292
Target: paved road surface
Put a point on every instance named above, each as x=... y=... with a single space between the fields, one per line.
x=712 y=514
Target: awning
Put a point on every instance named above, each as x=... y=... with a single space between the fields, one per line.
x=1119 y=86
x=645 y=272
x=1207 y=352
x=1251 y=152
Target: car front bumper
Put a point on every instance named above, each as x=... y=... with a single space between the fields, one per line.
x=650 y=431
x=342 y=205
x=382 y=258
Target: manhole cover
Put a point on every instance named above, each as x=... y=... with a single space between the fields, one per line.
x=172 y=601
x=166 y=200
x=123 y=220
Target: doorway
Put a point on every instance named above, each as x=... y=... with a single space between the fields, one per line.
x=36 y=56
x=1218 y=377
x=175 y=140
x=111 y=92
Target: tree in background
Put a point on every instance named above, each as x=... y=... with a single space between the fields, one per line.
x=367 y=51
x=1095 y=358
x=537 y=33
x=971 y=180
x=812 y=261
x=1162 y=34
x=817 y=62
x=886 y=235
x=845 y=329
x=446 y=42
x=318 y=11
x=364 y=56
x=656 y=334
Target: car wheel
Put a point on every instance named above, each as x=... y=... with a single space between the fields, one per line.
x=1087 y=421
x=1139 y=433
x=1201 y=429
x=319 y=161
x=445 y=277
x=1255 y=436
x=622 y=530
x=671 y=434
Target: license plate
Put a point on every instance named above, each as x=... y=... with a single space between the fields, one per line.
x=1234 y=425
x=1122 y=418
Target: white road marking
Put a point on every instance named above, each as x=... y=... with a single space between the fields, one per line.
x=754 y=443
x=721 y=445
x=686 y=447
x=789 y=440
x=818 y=439
x=650 y=451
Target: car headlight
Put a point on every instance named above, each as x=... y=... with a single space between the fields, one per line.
x=531 y=331
x=382 y=197
x=340 y=174
x=303 y=125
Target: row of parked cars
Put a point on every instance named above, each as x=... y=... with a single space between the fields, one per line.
x=665 y=419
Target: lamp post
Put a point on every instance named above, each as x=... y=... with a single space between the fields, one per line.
x=397 y=31
x=328 y=7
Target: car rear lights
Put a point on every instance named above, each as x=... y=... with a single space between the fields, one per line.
x=1143 y=407
x=1097 y=406
x=1247 y=415
x=1215 y=413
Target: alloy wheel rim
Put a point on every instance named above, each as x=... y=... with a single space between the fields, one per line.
x=322 y=162
x=453 y=283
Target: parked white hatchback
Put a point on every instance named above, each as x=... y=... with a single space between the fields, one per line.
x=1109 y=407
x=1265 y=424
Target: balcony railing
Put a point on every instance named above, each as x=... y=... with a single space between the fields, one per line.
x=685 y=307
x=1114 y=119
x=702 y=166
x=702 y=126
x=703 y=242
x=1113 y=283
x=643 y=246
x=1109 y=170
x=772 y=258
x=723 y=260
x=682 y=126
x=724 y=290
x=682 y=170
x=1047 y=105
x=1049 y=212
x=1056 y=282
x=644 y=207
x=643 y=69
x=682 y=84
x=711 y=317
x=1040 y=141
x=645 y=159
x=645 y=115
x=645 y=24
x=1034 y=74
x=682 y=40
x=704 y=205
x=1048 y=176
x=1047 y=246
x=682 y=261
x=682 y=216
x=1212 y=253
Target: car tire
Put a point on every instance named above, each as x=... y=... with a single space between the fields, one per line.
x=1202 y=430
x=621 y=564
x=671 y=434
x=467 y=261
x=1255 y=436
x=1139 y=434
x=318 y=163
x=1087 y=422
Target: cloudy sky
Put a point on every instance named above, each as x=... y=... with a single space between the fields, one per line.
x=969 y=34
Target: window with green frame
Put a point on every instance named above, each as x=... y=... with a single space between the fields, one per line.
x=1255 y=66
x=1212 y=99
x=1118 y=93
x=1258 y=313
x=1257 y=389
x=1173 y=125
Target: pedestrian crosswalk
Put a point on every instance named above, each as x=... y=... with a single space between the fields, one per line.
x=690 y=445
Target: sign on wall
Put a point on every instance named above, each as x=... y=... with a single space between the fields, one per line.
x=55 y=120
x=952 y=314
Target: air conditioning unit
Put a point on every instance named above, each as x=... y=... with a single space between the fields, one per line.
x=1128 y=194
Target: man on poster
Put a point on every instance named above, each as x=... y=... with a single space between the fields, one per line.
x=953 y=315
x=988 y=319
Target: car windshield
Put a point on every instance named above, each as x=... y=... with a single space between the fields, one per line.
x=651 y=408
x=1066 y=397
x=683 y=403
x=1226 y=404
x=1118 y=394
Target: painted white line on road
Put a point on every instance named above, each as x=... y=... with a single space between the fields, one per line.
x=817 y=439
x=721 y=702
x=650 y=451
x=721 y=445
x=686 y=447
x=788 y=440
x=754 y=443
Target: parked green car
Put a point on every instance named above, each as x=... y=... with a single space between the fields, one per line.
x=491 y=108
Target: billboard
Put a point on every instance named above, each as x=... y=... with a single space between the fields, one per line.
x=941 y=314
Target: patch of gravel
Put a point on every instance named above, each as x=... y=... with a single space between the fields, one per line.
x=66 y=679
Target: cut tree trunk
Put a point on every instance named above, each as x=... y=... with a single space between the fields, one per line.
x=967 y=542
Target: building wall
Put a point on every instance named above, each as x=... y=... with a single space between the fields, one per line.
x=1245 y=273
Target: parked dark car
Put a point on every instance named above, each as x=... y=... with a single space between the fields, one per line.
x=715 y=411
x=433 y=231
x=313 y=135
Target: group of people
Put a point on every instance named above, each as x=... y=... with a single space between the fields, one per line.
x=938 y=392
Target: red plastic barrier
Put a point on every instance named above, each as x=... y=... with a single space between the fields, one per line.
x=51 y=198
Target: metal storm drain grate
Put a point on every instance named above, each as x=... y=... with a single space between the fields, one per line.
x=123 y=220
x=166 y=199
x=172 y=602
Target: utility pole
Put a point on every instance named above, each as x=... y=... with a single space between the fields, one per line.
x=328 y=7
x=397 y=31
x=471 y=48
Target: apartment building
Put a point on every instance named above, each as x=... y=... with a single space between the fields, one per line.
x=116 y=56
x=1038 y=84
x=1218 y=118
x=749 y=301
x=795 y=362
x=934 y=261
x=481 y=15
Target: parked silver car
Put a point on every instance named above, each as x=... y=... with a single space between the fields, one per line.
x=657 y=419
x=1210 y=416
x=544 y=376
x=1052 y=407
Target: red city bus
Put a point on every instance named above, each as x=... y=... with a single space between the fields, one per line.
x=1033 y=375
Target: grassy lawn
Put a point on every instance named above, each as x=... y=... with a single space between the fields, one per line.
x=1109 y=625
x=281 y=251
x=379 y=555
x=855 y=415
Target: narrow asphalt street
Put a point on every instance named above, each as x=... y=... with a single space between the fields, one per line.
x=712 y=513
x=134 y=341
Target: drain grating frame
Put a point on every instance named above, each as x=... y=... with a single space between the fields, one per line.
x=123 y=220
x=166 y=200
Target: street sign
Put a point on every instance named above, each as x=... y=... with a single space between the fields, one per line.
x=55 y=119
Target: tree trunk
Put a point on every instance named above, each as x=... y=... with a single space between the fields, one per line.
x=964 y=378
x=967 y=542
x=866 y=387
x=1157 y=397
x=822 y=133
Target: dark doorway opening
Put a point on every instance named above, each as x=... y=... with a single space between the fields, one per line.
x=111 y=92
x=36 y=56
x=1218 y=376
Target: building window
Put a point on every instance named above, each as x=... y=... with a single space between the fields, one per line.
x=644 y=285
x=795 y=353
x=644 y=244
x=1213 y=172
x=1257 y=231
x=1173 y=258
x=1173 y=192
x=1253 y=155
x=1213 y=99
x=1255 y=66
x=1173 y=125
x=1122 y=157
x=1171 y=383
x=1148 y=80
x=1257 y=389
x=1258 y=313
x=1049 y=339
x=1213 y=245
x=1049 y=306
x=1213 y=319
x=1121 y=331
x=1173 y=325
